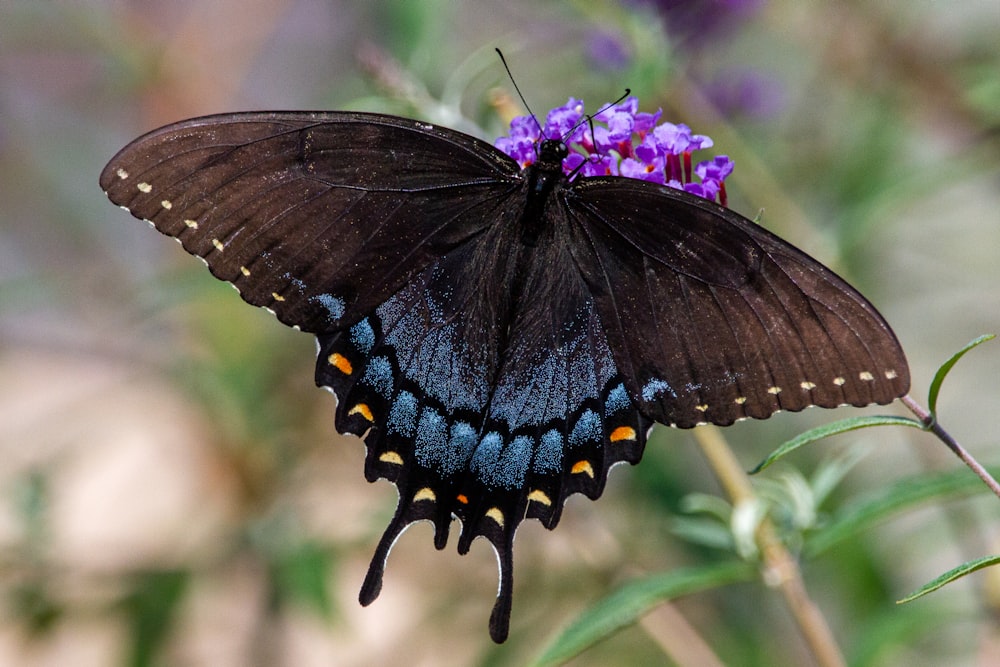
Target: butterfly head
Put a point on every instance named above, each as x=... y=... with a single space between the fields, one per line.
x=551 y=154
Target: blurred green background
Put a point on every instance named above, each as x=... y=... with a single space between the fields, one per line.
x=172 y=490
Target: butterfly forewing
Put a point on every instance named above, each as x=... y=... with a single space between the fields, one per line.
x=318 y=216
x=714 y=319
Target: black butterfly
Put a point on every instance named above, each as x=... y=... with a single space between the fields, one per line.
x=501 y=337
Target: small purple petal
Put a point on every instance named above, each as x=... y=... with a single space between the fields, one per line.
x=649 y=152
x=600 y=165
x=620 y=126
x=636 y=169
x=673 y=139
x=699 y=141
x=561 y=120
x=644 y=122
x=573 y=161
x=708 y=189
x=602 y=140
x=716 y=169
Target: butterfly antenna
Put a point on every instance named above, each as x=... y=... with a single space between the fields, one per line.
x=514 y=83
x=589 y=118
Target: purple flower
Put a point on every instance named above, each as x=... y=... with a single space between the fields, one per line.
x=607 y=51
x=677 y=139
x=703 y=23
x=751 y=93
x=520 y=143
x=716 y=169
x=561 y=120
x=624 y=142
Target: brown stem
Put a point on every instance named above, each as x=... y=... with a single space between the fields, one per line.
x=781 y=570
x=931 y=424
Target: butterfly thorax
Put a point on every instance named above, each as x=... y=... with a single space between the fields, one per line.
x=542 y=176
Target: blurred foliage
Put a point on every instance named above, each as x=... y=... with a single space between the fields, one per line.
x=174 y=492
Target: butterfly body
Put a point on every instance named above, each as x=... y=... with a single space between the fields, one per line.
x=499 y=336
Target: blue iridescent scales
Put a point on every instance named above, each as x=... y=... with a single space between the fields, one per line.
x=459 y=442
x=501 y=337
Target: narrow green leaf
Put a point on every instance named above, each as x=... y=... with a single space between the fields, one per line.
x=626 y=605
x=899 y=497
x=950 y=576
x=932 y=394
x=150 y=609
x=889 y=629
x=703 y=532
x=301 y=575
x=833 y=428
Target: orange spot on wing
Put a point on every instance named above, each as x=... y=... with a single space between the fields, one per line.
x=341 y=363
x=363 y=410
x=622 y=433
x=462 y=498
x=583 y=467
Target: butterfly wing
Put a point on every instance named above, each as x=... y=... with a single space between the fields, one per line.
x=319 y=217
x=492 y=379
x=474 y=366
x=713 y=319
x=488 y=392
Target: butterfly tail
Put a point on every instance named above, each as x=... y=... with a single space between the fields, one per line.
x=500 y=616
x=372 y=585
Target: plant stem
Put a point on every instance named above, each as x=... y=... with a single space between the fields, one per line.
x=780 y=568
x=931 y=424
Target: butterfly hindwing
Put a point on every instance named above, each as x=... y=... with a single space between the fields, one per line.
x=485 y=389
x=714 y=319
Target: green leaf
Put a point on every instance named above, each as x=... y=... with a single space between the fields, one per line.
x=832 y=470
x=704 y=532
x=626 y=605
x=950 y=576
x=833 y=428
x=150 y=608
x=932 y=394
x=901 y=496
x=302 y=575
x=890 y=629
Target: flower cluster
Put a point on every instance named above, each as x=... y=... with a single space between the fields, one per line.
x=622 y=141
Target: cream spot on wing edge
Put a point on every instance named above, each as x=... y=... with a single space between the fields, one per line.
x=218 y=245
x=839 y=381
x=425 y=493
x=740 y=400
x=774 y=390
x=807 y=385
x=890 y=374
x=244 y=270
x=167 y=204
x=866 y=376
x=540 y=496
x=145 y=187
x=193 y=224
x=122 y=174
